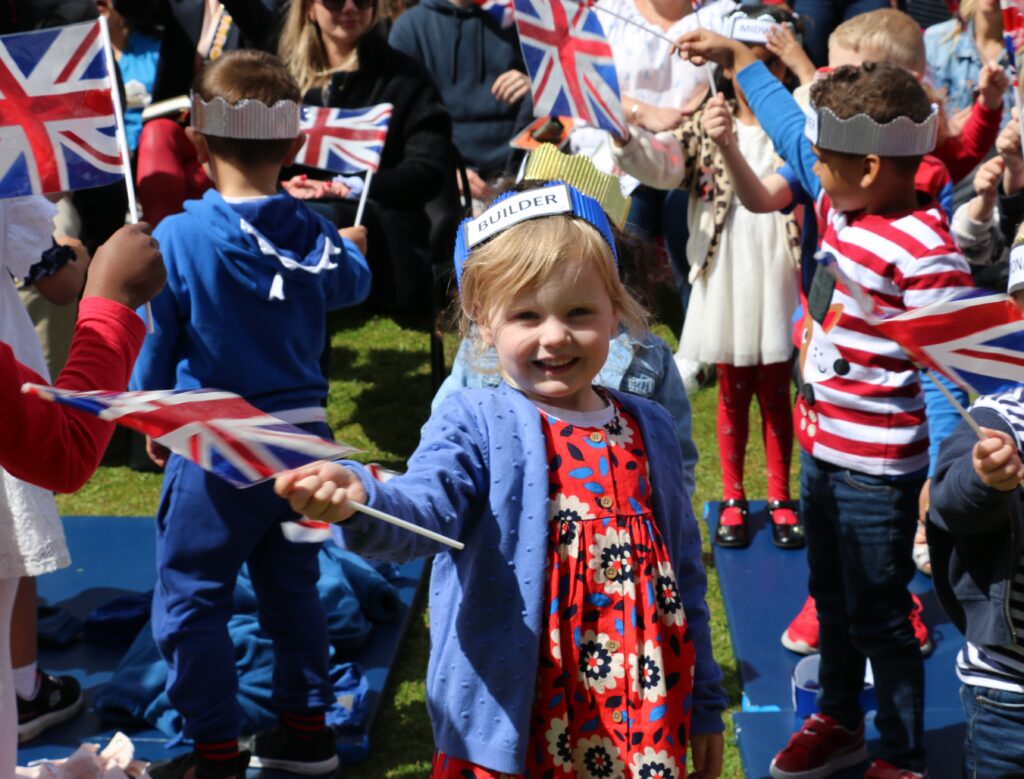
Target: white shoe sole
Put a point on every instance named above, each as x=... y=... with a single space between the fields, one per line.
x=800 y=647
x=303 y=768
x=30 y=730
x=858 y=755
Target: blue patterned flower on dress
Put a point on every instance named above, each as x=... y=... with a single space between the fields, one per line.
x=619 y=431
x=650 y=764
x=599 y=666
x=611 y=558
x=648 y=672
x=666 y=592
x=597 y=758
x=559 y=746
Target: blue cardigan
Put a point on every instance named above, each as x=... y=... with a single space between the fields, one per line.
x=480 y=475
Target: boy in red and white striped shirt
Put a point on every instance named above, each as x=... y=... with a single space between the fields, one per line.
x=860 y=419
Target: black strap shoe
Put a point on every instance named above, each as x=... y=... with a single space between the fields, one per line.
x=786 y=536
x=733 y=536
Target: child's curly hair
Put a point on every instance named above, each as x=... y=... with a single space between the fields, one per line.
x=881 y=90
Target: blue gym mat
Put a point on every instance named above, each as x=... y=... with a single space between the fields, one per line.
x=763 y=588
x=113 y=557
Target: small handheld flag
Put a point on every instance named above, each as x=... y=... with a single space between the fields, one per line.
x=570 y=63
x=58 y=128
x=344 y=140
x=502 y=11
x=223 y=434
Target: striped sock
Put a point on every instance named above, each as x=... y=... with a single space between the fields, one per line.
x=304 y=726
x=220 y=758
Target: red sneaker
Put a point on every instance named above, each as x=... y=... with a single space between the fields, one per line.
x=802 y=634
x=820 y=748
x=921 y=632
x=880 y=769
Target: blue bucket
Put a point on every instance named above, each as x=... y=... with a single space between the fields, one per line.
x=805 y=687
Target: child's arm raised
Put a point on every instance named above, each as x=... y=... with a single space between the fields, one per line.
x=775 y=109
x=771 y=193
x=657 y=160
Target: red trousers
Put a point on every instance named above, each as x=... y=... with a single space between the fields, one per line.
x=736 y=387
x=169 y=172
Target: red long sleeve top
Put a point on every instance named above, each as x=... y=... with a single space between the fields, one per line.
x=54 y=446
x=964 y=152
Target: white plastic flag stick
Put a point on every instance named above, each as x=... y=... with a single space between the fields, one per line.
x=122 y=139
x=421 y=531
x=956 y=404
x=362 y=198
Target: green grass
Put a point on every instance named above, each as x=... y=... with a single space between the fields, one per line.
x=380 y=396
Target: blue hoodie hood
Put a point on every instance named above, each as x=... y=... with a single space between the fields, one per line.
x=252 y=236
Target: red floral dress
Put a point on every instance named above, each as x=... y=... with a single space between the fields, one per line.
x=615 y=673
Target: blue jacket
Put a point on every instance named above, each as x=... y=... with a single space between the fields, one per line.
x=644 y=368
x=480 y=475
x=248 y=288
x=954 y=63
x=976 y=558
x=465 y=50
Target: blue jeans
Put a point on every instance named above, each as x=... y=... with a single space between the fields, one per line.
x=860 y=535
x=656 y=212
x=821 y=17
x=993 y=744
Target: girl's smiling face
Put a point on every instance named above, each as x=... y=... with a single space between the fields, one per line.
x=552 y=339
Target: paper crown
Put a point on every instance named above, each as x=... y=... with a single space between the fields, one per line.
x=1016 y=281
x=747 y=29
x=860 y=134
x=547 y=163
x=552 y=199
x=247 y=118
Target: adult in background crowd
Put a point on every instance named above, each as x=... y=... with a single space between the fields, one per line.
x=475 y=60
x=340 y=60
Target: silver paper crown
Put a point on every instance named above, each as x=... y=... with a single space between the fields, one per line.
x=245 y=119
x=741 y=27
x=860 y=134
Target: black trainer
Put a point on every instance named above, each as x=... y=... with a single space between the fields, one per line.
x=278 y=748
x=178 y=767
x=59 y=698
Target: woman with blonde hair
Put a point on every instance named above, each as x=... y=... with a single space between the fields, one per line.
x=338 y=54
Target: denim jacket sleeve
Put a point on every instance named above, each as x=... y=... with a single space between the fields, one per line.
x=671 y=394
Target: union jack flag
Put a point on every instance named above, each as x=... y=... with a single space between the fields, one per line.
x=503 y=11
x=570 y=63
x=975 y=338
x=58 y=131
x=218 y=431
x=344 y=140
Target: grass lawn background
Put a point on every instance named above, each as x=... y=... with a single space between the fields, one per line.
x=379 y=397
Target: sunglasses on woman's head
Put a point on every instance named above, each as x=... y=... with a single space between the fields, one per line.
x=338 y=5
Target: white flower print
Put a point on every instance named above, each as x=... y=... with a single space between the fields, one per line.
x=619 y=431
x=666 y=594
x=599 y=666
x=569 y=507
x=648 y=672
x=611 y=558
x=654 y=765
x=559 y=743
x=556 y=643
x=597 y=758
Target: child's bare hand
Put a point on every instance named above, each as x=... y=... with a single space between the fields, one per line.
x=700 y=46
x=321 y=491
x=718 y=121
x=784 y=45
x=986 y=180
x=128 y=268
x=158 y=453
x=992 y=84
x=657 y=119
x=997 y=461
x=1008 y=143
x=355 y=234
x=706 y=750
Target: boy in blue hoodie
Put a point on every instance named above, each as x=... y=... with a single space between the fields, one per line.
x=251 y=276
